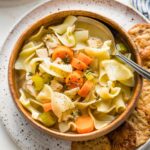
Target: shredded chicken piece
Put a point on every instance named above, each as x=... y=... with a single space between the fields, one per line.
x=94 y=42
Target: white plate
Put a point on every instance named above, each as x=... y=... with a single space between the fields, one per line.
x=9 y=3
x=26 y=136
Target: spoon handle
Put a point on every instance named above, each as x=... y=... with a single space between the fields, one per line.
x=143 y=72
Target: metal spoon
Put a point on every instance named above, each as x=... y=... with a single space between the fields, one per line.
x=140 y=70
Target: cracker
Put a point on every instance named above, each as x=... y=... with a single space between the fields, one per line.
x=101 y=143
x=143 y=104
x=123 y=138
x=140 y=118
x=140 y=34
x=141 y=127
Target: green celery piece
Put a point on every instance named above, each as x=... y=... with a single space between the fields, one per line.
x=128 y=55
x=46 y=78
x=89 y=75
x=38 y=82
x=47 y=119
x=121 y=47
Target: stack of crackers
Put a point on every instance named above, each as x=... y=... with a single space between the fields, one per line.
x=136 y=130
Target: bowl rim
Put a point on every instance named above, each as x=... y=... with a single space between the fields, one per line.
x=72 y=136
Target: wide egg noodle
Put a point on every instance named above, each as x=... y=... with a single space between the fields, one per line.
x=56 y=86
x=62 y=28
x=61 y=103
x=101 y=53
x=83 y=105
x=33 y=64
x=45 y=95
x=103 y=120
x=126 y=92
x=22 y=63
x=119 y=103
x=63 y=67
x=68 y=38
x=103 y=77
x=29 y=88
x=28 y=45
x=72 y=92
x=116 y=71
x=104 y=106
x=108 y=92
x=129 y=82
x=19 y=64
x=54 y=69
x=95 y=28
x=27 y=53
x=81 y=35
x=38 y=36
x=91 y=96
x=51 y=71
x=26 y=103
x=51 y=41
x=80 y=46
x=42 y=53
x=66 y=126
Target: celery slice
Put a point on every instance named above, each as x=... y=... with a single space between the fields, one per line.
x=46 y=78
x=89 y=75
x=47 y=119
x=128 y=55
x=121 y=47
x=38 y=82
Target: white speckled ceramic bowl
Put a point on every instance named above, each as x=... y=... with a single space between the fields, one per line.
x=52 y=19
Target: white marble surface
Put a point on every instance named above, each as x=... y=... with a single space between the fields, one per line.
x=9 y=14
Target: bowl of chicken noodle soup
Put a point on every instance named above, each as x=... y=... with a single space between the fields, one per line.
x=66 y=81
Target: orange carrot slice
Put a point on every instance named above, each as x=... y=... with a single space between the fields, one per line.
x=86 y=88
x=62 y=52
x=47 y=107
x=84 y=58
x=84 y=124
x=74 y=79
x=78 y=64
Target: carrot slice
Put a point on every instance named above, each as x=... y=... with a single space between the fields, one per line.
x=74 y=79
x=84 y=58
x=62 y=52
x=78 y=64
x=84 y=124
x=47 y=107
x=83 y=92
